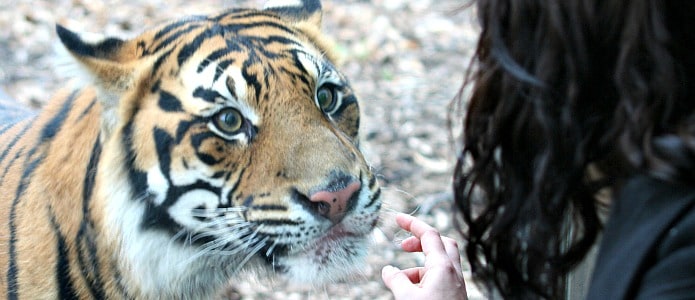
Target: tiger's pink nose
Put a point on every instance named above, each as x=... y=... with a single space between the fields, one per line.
x=334 y=205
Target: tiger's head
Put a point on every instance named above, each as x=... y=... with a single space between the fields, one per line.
x=230 y=142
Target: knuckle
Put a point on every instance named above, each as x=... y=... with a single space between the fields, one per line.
x=450 y=269
x=450 y=242
x=431 y=232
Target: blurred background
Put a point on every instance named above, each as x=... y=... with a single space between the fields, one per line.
x=405 y=59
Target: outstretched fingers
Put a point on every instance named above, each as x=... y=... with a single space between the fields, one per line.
x=440 y=278
x=425 y=238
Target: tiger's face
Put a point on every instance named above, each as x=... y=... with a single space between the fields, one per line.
x=231 y=142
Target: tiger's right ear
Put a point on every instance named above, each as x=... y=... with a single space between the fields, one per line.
x=305 y=15
x=298 y=11
x=108 y=64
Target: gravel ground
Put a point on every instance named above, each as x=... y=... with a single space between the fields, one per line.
x=405 y=59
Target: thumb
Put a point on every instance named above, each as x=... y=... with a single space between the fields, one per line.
x=393 y=277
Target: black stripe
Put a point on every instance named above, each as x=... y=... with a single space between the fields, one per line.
x=173 y=26
x=246 y=26
x=87 y=110
x=277 y=39
x=156 y=217
x=373 y=198
x=348 y=100
x=278 y=222
x=221 y=67
x=248 y=201
x=87 y=249
x=52 y=127
x=13 y=142
x=175 y=192
x=10 y=163
x=160 y=60
x=7 y=127
x=239 y=13
x=169 y=103
x=372 y=182
x=268 y=207
x=49 y=131
x=164 y=143
x=66 y=289
x=12 y=284
x=120 y=285
x=166 y=42
x=198 y=139
x=181 y=130
x=251 y=79
x=236 y=186
x=302 y=69
x=188 y=49
x=170 y=28
x=220 y=174
x=208 y=95
x=137 y=178
x=215 y=55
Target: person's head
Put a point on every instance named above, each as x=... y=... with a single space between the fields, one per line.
x=558 y=88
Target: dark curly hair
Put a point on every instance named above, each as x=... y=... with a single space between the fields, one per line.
x=558 y=88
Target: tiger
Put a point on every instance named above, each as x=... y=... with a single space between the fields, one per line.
x=202 y=151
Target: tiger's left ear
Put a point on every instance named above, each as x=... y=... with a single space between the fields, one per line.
x=111 y=65
x=298 y=11
x=103 y=62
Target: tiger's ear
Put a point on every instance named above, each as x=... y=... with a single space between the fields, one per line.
x=306 y=17
x=102 y=62
x=108 y=64
x=298 y=11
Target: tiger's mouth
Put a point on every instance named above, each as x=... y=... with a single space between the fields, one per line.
x=337 y=249
x=334 y=237
x=336 y=233
x=337 y=236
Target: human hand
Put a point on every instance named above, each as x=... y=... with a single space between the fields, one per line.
x=440 y=278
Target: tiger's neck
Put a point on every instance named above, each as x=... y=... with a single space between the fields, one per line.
x=47 y=194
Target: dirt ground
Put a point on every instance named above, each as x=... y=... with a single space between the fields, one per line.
x=405 y=59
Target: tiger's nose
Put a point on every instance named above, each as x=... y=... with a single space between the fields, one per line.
x=335 y=204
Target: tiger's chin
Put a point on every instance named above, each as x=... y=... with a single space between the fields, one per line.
x=334 y=257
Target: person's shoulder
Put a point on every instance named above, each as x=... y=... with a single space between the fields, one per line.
x=653 y=191
x=681 y=234
x=668 y=272
x=673 y=201
x=650 y=238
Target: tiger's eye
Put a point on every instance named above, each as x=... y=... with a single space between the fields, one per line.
x=229 y=120
x=325 y=99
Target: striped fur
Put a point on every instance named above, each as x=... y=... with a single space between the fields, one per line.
x=200 y=149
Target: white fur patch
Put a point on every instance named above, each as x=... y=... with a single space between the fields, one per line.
x=157 y=184
x=283 y=3
x=182 y=210
x=310 y=63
